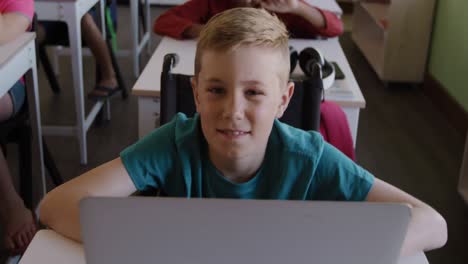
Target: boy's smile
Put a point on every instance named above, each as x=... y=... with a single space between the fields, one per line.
x=238 y=95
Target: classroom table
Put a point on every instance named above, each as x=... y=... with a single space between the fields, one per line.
x=18 y=58
x=48 y=246
x=345 y=93
x=137 y=43
x=71 y=12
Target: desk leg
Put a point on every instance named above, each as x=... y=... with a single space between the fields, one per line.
x=74 y=35
x=148 y=26
x=38 y=175
x=463 y=180
x=135 y=39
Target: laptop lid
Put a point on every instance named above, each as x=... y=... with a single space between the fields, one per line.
x=213 y=231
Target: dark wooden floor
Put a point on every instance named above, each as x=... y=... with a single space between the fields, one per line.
x=402 y=138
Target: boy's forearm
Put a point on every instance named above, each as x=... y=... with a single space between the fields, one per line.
x=60 y=208
x=426 y=231
x=60 y=212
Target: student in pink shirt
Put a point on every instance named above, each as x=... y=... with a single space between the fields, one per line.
x=18 y=222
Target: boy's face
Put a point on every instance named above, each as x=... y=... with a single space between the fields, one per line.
x=238 y=94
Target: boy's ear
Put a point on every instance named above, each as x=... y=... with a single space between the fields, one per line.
x=285 y=98
x=193 y=81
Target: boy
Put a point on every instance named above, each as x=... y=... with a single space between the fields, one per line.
x=235 y=147
x=302 y=19
x=17 y=221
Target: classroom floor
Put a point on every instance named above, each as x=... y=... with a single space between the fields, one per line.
x=402 y=137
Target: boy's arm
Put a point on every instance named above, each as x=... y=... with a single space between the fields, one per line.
x=59 y=209
x=11 y=26
x=184 y=21
x=305 y=20
x=427 y=229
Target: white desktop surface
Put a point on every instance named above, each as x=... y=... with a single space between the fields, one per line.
x=50 y=247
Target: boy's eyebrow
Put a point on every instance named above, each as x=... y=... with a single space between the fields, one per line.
x=252 y=82
x=246 y=83
x=213 y=80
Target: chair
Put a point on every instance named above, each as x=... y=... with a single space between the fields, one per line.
x=63 y=41
x=176 y=96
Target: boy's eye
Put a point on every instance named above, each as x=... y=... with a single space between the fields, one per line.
x=215 y=90
x=253 y=92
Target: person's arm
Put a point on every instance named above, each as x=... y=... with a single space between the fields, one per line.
x=304 y=20
x=184 y=21
x=12 y=25
x=59 y=209
x=427 y=229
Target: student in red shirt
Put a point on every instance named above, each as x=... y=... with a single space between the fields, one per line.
x=301 y=19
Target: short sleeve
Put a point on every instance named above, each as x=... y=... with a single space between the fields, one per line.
x=24 y=7
x=149 y=160
x=338 y=178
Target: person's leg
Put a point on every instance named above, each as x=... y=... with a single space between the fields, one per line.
x=17 y=220
x=6 y=107
x=93 y=39
x=12 y=102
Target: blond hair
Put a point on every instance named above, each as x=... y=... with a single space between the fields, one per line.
x=243 y=26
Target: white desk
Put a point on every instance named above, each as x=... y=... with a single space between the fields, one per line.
x=137 y=44
x=345 y=92
x=50 y=247
x=16 y=59
x=71 y=12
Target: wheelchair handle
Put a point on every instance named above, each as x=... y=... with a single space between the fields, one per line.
x=170 y=61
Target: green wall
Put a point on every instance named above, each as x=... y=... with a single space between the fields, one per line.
x=448 y=61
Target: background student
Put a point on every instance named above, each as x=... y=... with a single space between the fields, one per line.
x=301 y=19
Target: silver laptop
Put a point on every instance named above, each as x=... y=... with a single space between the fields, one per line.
x=222 y=231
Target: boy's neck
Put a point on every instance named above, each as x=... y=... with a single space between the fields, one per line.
x=238 y=170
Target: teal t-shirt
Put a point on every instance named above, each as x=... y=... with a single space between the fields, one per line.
x=298 y=165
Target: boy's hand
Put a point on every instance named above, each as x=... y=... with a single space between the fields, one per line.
x=281 y=6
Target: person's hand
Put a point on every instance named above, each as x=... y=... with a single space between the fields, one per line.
x=281 y=6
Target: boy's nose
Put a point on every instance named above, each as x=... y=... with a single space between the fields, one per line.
x=234 y=108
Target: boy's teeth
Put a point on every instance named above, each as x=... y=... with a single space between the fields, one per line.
x=235 y=133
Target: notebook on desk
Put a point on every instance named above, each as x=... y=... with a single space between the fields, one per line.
x=213 y=231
